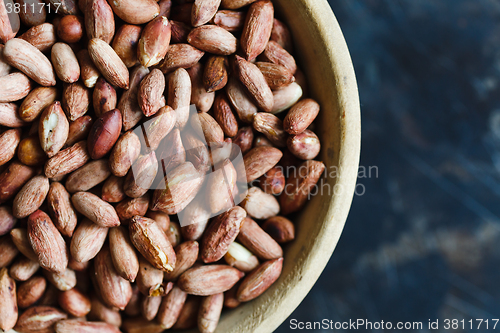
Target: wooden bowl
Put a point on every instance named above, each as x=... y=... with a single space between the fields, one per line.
x=322 y=54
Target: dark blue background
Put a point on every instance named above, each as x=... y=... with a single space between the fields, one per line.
x=423 y=241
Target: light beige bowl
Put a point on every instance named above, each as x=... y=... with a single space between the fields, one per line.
x=323 y=56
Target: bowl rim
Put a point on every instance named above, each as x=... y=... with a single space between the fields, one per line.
x=350 y=147
x=266 y=315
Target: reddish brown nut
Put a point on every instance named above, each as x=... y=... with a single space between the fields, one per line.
x=299 y=185
x=75 y=100
x=128 y=105
x=230 y=20
x=224 y=115
x=125 y=43
x=203 y=11
x=150 y=307
x=67 y=160
x=131 y=207
x=65 y=63
x=64 y=281
x=305 y=145
x=215 y=75
x=189 y=313
x=20 y=238
x=41 y=36
x=47 y=243
x=255 y=82
x=300 y=116
x=152 y=243
x=271 y=126
x=280 y=228
x=258 y=241
x=36 y=101
x=9 y=140
x=123 y=253
x=244 y=139
x=276 y=76
x=112 y=190
x=171 y=307
x=104 y=133
x=31 y=196
x=98 y=211
x=39 y=319
x=9 y=23
x=115 y=291
x=273 y=181
x=174 y=233
x=88 y=176
x=76 y=325
x=141 y=175
x=87 y=241
x=220 y=234
x=99 y=20
x=182 y=185
x=30 y=16
x=70 y=29
x=30 y=291
x=150 y=280
x=281 y=35
x=154 y=42
x=259 y=160
x=109 y=63
x=23 y=269
x=186 y=255
x=199 y=95
x=260 y=280
x=278 y=55
x=180 y=56
x=257 y=28
x=8 y=251
x=230 y=300
x=212 y=132
x=16 y=87
x=124 y=153
x=213 y=39
x=30 y=152
x=8 y=306
x=161 y=218
x=151 y=92
x=208 y=280
x=209 y=313
x=89 y=72
x=135 y=11
x=7 y=220
x=165 y=7
x=262 y=141
x=159 y=127
x=61 y=210
x=13 y=179
x=100 y=312
x=235 y=4
x=103 y=97
x=74 y=302
x=179 y=95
